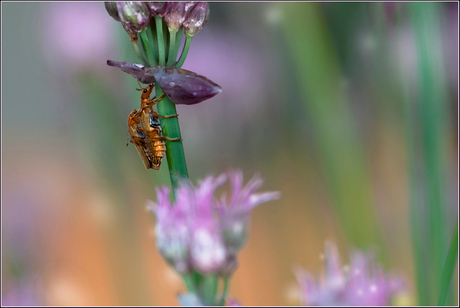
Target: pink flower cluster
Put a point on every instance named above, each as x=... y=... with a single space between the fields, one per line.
x=200 y=233
x=362 y=283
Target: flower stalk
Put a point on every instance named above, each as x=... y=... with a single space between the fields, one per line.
x=186 y=248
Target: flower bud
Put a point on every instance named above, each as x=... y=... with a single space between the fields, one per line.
x=176 y=14
x=196 y=19
x=111 y=8
x=134 y=17
x=158 y=8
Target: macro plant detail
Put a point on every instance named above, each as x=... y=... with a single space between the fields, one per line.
x=158 y=51
x=200 y=235
x=197 y=235
x=346 y=110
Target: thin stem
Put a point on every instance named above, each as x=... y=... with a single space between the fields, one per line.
x=188 y=41
x=172 y=48
x=209 y=289
x=166 y=41
x=153 y=37
x=449 y=267
x=146 y=44
x=139 y=53
x=174 y=149
x=225 y=290
x=178 y=41
x=161 y=46
x=188 y=279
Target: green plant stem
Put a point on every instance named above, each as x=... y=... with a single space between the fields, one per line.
x=188 y=41
x=174 y=149
x=449 y=267
x=325 y=101
x=139 y=53
x=147 y=48
x=172 y=48
x=153 y=37
x=160 y=39
x=209 y=287
x=432 y=117
x=225 y=290
x=188 y=279
x=178 y=41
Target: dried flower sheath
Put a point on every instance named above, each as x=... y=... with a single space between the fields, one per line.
x=183 y=87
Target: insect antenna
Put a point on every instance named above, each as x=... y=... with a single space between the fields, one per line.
x=141 y=88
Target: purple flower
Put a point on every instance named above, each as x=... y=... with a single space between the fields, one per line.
x=199 y=233
x=196 y=18
x=181 y=86
x=362 y=283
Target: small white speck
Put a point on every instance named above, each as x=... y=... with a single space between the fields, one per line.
x=172 y=84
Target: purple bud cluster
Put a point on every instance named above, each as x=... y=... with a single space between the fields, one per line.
x=135 y=16
x=200 y=233
x=362 y=283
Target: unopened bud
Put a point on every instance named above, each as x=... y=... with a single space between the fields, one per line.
x=111 y=8
x=158 y=8
x=134 y=16
x=196 y=19
x=176 y=14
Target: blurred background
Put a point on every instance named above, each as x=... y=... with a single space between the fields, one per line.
x=348 y=109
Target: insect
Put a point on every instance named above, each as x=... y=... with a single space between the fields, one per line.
x=138 y=139
x=147 y=103
x=148 y=139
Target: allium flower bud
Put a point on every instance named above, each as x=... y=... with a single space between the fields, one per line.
x=196 y=18
x=176 y=14
x=158 y=8
x=361 y=284
x=134 y=16
x=181 y=86
x=112 y=9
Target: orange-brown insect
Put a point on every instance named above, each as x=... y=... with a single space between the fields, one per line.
x=138 y=139
x=149 y=139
